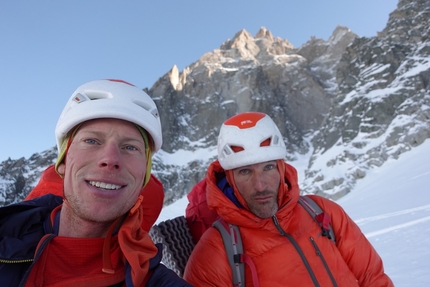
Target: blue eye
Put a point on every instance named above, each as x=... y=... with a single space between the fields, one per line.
x=130 y=147
x=269 y=167
x=90 y=141
x=244 y=171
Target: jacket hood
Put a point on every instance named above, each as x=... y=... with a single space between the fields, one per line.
x=288 y=195
x=136 y=244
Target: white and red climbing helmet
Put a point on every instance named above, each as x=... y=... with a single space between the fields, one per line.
x=249 y=138
x=110 y=99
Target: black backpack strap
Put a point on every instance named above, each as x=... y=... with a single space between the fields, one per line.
x=233 y=247
x=323 y=219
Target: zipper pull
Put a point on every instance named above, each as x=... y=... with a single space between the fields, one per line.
x=276 y=222
x=317 y=250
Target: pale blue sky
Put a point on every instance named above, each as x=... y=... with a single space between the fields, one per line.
x=49 y=48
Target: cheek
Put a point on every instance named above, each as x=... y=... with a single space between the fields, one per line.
x=73 y=169
x=242 y=187
x=136 y=168
x=76 y=159
x=276 y=181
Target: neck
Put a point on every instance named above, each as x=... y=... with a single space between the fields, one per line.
x=72 y=225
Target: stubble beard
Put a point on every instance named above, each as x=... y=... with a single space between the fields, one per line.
x=264 y=210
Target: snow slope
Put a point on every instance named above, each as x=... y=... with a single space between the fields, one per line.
x=392 y=207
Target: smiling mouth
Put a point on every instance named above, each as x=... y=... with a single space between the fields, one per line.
x=105 y=185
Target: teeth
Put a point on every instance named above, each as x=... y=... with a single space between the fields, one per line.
x=104 y=185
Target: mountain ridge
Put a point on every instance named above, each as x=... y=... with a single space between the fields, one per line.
x=347 y=104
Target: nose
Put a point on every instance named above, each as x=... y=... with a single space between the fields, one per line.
x=110 y=156
x=260 y=182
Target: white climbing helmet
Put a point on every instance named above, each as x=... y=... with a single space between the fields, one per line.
x=249 y=138
x=110 y=99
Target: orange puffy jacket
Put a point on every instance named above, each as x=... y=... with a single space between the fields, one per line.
x=281 y=261
x=153 y=195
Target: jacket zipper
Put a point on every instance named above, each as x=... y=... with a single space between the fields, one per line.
x=318 y=251
x=6 y=261
x=39 y=251
x=298 y=249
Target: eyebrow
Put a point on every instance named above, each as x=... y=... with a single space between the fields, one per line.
x=138 y=138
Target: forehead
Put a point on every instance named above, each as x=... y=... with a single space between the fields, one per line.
x=109 y=125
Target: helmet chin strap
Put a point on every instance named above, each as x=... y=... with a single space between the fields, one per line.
x=148 y=152
x=67 y=141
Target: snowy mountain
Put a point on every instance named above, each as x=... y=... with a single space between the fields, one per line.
x=344 y=105
x=382 y=106
x=392 y=207
x=354 y=112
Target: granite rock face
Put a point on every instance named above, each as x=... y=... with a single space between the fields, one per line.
x=382 y=107
x=346 y=104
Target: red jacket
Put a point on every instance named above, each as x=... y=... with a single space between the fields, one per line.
x=67 y=261
x=352 y=261
x=198 y=215
x=153 y=194
x=128 y=253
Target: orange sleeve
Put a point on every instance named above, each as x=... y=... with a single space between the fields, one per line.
x=361 y=257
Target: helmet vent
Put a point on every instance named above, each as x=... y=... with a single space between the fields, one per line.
x=249 y=138
x=236 y=148
x=143 y=105
x=110 y=99
x=266 y=142
x=98 y=95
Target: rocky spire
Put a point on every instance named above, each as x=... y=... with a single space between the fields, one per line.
x=264 y=33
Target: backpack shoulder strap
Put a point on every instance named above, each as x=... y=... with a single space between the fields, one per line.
x=233 y=247
x=322 y=218
x=232 y=240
